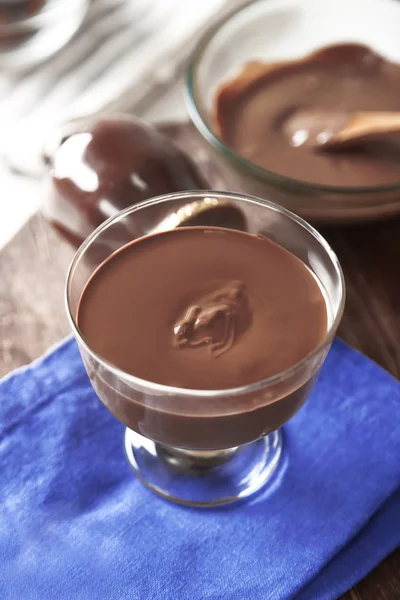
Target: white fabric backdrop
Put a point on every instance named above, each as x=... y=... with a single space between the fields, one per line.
x=124 y=49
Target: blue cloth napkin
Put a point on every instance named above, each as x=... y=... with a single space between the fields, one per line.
x=76 y=524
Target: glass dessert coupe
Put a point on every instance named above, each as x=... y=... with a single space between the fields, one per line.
x=206 y=447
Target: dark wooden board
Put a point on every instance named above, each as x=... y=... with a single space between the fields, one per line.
x=32 y=316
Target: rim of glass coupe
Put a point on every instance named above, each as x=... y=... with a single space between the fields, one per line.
x=192 y=196
x=193 y=105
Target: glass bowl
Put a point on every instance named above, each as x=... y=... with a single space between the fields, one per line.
x=276 y=30
x=208 y=447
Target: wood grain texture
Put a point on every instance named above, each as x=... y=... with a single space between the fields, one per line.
x=32 y=315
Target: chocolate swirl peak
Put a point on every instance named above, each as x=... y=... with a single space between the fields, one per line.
x=215 y=320
x=165 y=306
x=271 y=114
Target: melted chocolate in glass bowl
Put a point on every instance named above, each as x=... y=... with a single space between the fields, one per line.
x=252 y=112
x=206 y=309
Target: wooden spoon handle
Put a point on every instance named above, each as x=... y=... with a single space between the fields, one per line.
x=369 y=123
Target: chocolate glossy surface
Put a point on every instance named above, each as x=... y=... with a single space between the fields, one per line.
x=203 y=308
x=256 y=111
x=206 y=309
x=115 y=163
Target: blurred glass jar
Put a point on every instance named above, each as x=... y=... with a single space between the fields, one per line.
x=33 y=30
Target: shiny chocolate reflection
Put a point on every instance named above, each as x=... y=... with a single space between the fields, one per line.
x=115 y=163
